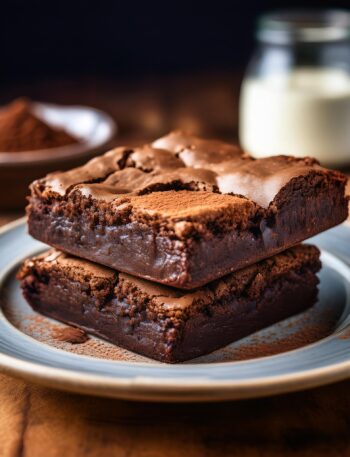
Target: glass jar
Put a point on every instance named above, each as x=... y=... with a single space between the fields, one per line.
x=295 y=97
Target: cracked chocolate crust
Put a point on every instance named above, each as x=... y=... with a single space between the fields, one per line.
x=165 y=323
x=184 y=211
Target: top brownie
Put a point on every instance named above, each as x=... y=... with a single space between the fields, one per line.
x=184 y=211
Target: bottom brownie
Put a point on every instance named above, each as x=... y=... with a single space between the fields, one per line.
x=168 y=324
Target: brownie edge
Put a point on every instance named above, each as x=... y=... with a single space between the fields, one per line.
x=164 y=323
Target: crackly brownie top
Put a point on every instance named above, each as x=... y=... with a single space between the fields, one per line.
x=179 y=161
x=102 y=281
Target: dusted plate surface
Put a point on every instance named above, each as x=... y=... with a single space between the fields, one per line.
x=317 y=343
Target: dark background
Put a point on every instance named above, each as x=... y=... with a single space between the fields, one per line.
x=128 y=39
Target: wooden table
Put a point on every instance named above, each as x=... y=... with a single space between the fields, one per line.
x=40 y=422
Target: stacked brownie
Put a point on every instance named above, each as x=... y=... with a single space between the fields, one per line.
x=181 y=246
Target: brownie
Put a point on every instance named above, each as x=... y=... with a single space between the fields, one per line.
x=165 y=323
x=184 y=211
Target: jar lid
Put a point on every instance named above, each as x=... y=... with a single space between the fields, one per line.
x=283 y=27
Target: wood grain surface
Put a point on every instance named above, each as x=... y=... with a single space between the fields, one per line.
x=40 y=422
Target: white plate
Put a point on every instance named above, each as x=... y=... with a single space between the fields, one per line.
x=24 y=353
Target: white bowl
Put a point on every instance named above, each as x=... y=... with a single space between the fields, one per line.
x=94 y=131
x=93 y=128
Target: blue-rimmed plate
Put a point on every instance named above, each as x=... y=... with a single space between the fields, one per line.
x=307 y=350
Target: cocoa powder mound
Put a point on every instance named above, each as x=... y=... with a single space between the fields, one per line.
x=22 y=130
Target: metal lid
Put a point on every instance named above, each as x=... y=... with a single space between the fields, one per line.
x=288 y=26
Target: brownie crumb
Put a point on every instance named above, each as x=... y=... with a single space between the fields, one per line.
x=71 y=335
x=345 y=334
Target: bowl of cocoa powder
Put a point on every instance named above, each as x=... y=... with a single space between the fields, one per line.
x=38 y=138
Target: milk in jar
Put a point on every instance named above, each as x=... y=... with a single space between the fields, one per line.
x=295 y=99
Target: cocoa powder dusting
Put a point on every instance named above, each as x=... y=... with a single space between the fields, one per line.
x=22 y=130
x=71 y=335
x=46 y=331
x=297 y=332
x=304 y=336
x=309 y=327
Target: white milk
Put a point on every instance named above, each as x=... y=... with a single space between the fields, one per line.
x=305 y=112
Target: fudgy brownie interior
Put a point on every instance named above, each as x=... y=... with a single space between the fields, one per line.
x=165 y=323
